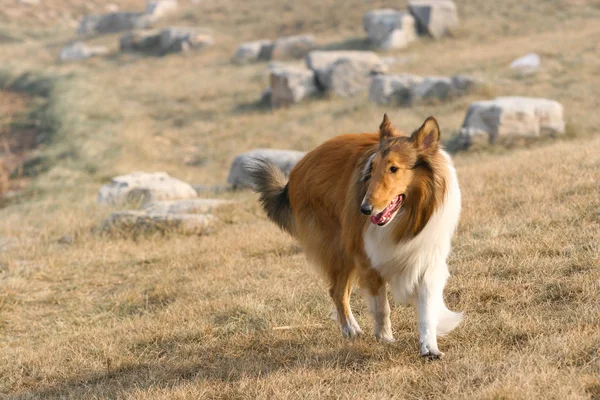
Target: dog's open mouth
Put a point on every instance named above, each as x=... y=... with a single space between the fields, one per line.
x=389 y=212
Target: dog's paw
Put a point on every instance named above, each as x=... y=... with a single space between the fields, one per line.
x=351 y=331
x=385 y=337
x=432 y=354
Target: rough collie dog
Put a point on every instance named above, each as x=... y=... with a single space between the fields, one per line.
x=374 y=208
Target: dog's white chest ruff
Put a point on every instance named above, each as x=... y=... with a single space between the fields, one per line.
x=403 y=264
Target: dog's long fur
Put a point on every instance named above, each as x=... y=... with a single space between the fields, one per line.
x=321 y=207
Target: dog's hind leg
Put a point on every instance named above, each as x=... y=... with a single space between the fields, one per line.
x=340 y=281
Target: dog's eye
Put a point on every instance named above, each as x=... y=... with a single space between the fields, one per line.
x=393 y=169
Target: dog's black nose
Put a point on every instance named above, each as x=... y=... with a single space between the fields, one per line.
x=366 y=209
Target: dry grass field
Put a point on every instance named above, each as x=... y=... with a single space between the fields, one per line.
x=240 y=313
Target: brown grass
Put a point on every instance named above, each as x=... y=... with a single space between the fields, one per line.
x=84 y=315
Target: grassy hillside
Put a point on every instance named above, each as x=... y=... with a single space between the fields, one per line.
x=240 y=314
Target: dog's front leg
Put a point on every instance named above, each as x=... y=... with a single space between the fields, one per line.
x=429 y=302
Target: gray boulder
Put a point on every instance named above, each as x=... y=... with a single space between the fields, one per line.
x=142 y=187
x=290 y=85
x=253 y=51
x=239 y=175
x=392 y=89
x=181 y=39
x=80 y=51
x=293 y=47
x=435 y=18
x=113 y=22
x=518 y=116
x=408 y=90
x=527 y=65
x=388 y=29
x=190 y=206
x=326 y=65
x=127 y=222
x=147 y=41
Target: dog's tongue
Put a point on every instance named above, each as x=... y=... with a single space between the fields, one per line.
x=385 y=215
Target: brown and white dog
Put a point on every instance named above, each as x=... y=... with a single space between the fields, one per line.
x=375 y=207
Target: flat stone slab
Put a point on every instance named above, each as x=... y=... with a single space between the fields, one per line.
x=409 y=90
x=144 y=222
x=518 y=116
x=191 y=206
x=239 y=175
x=143 y=187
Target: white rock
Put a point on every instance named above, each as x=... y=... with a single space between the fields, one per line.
x=388 y=29
x=293 y=47
x=290 y=85
x=323 y=62
x=142 y=222
x=181 y=39
x=29 y=2
x=435 y=18
x=526 y=65
x=525 y=116
x=157 y=9
x=190 y=206
x=113 y=22
x=142 y=187
x=253 y=51
x=80 y=51
x=392 y=89
x=239 y=175
x=348 y=77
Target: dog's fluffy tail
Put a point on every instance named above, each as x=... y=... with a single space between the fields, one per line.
x=448 y=320
x=271 y=183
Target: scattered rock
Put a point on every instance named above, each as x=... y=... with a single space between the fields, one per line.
x=191 y=206
x=113 y=22
x=168 y=40
x=146 y=41
x=527 y=65
x=157 y=9
x=292 y=47
x=143 y=222
x=290 y=85
x=324 y=63
x=408 y=90
x=392 y=89
x=284 y=159
x=80 y=51
x=518 y=116
x=388 y=29
x=348 y=77
x=142 y=187
x=253 y=51
x=183 y=39
x=435 y=18
x=213 y=189
x=432 y=88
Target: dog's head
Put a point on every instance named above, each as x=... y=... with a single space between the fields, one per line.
x=390 y=172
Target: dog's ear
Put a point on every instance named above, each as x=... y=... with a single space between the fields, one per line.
x=427 y=138
x=387 y=130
